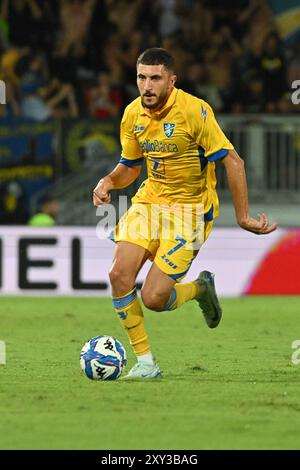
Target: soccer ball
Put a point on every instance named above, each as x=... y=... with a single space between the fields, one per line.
x=103 y=358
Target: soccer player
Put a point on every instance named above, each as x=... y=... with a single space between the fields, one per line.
x=180 y=139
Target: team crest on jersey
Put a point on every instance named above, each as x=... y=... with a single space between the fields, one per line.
x=169 y=128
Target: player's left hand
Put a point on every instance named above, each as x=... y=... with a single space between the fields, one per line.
x=260 y=226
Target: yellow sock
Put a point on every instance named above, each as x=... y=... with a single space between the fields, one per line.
x=129 y=310
x=181 y=293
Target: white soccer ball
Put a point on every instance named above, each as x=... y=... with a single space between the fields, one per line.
x=103 y=358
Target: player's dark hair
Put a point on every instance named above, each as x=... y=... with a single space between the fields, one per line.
x=156 y=56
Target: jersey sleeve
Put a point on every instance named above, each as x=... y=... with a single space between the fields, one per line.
x=131 y=154
x=213 y=144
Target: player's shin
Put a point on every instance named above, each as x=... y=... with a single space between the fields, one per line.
x=129 y=311
x=182 y=293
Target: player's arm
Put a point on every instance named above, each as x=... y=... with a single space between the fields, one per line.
x=121 y=177
x=237 y=182
x=129 y=167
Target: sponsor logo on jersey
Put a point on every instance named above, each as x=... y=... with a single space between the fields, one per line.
x=157 y=146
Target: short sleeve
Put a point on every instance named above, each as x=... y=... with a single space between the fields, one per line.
x=131 y=151
x=209 y=136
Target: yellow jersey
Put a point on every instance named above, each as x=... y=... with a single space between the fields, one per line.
x=180 y=143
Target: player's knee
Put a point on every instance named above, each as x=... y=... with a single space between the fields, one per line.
x=121 y=280
x=153 y=301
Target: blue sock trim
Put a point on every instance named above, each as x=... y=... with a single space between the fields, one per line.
x=122 y=302
x=171 y=300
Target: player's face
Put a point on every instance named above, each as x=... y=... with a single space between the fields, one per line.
x=155 y=83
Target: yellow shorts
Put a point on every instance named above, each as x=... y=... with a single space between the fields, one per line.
x=173 y=235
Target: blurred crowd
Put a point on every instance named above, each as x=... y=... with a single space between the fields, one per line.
x=70 y=58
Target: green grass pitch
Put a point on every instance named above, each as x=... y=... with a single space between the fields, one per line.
x=230 y=388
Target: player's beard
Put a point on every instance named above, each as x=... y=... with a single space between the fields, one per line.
x=158 y=102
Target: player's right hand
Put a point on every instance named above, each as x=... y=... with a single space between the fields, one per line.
x=101 y=192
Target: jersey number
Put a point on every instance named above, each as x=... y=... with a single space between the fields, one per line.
x=181 y=243
x=158 y=165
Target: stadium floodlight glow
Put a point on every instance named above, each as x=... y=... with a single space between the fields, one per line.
x=2 y=353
